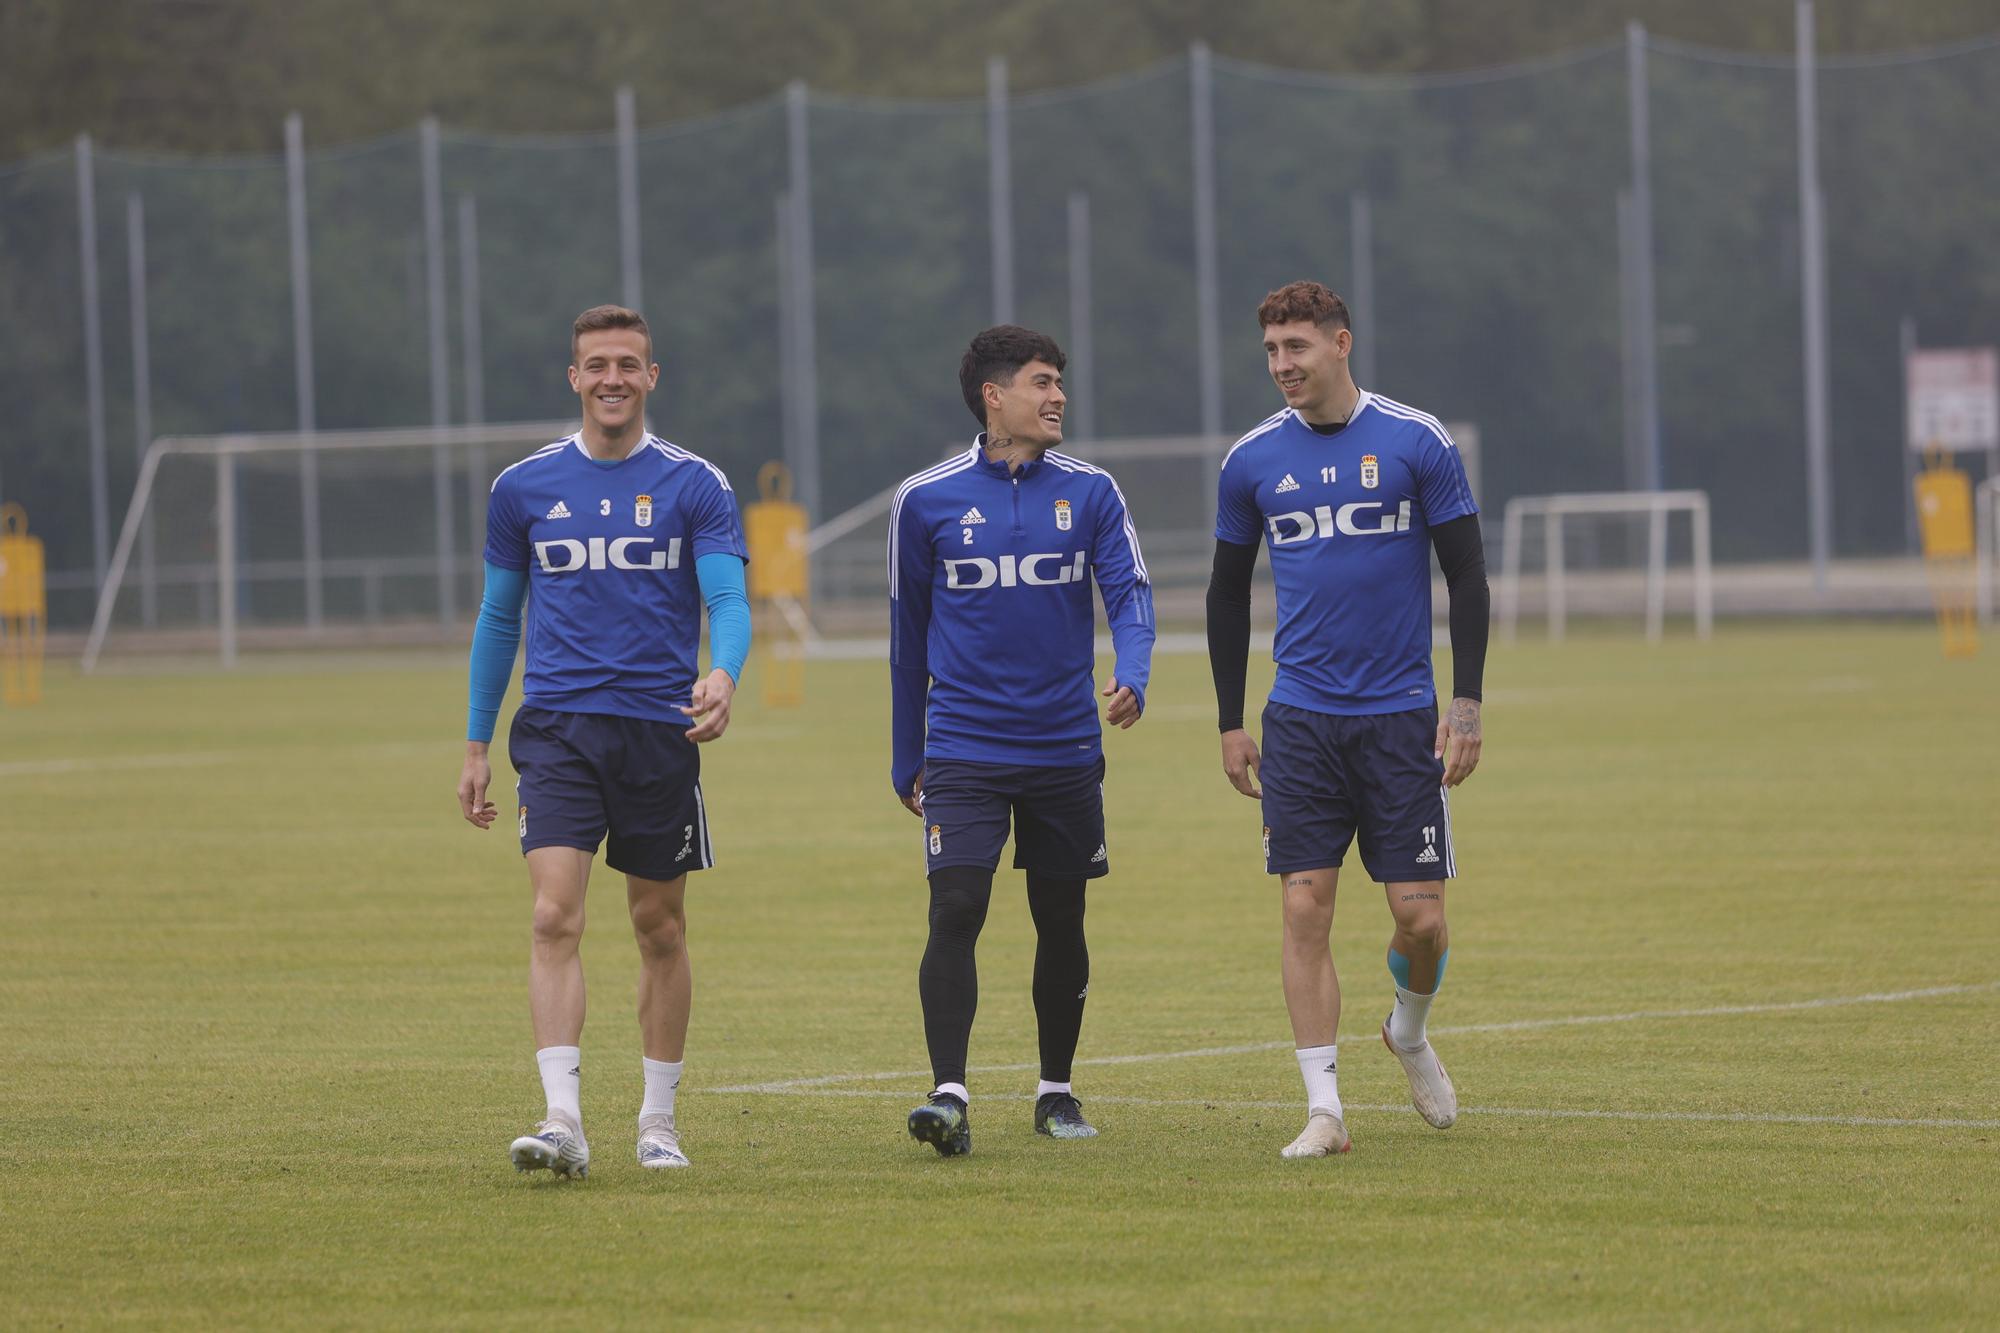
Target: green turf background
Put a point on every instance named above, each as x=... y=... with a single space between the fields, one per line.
x=265 y=1037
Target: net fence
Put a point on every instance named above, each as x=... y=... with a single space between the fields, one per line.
x=1478 y=214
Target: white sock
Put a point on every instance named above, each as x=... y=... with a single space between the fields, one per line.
x=663 y=1077
x=562 y=1079
x=1316 y=1065
x=957 y=1090
x=1407 y=1019
x=1044 y=1088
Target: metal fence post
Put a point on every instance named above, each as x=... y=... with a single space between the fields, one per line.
x=93 y=359
x=1208 y=298
x=1812 y=277
x=225 y=554
x=1000 y=189
x=472 y=351
x=1082 y=351
x=1361 y=261
x=805 y=462
x=628 y=199
x=1644 y=329
x=302 y=360
x=142 y=394
x=440 y=370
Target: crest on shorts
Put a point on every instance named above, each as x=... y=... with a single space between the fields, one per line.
x=524 y=821
x=937 y=839
x=1371 y=475
x=642 y=511
x=1267 y=842
x=1062 y=515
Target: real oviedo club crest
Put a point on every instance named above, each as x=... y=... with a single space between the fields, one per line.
x=1371 y=475
x=642 y=511
x=1062 y=515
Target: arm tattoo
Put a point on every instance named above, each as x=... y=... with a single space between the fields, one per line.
x=1465 y=717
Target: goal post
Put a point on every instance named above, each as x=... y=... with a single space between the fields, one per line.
x=402 y=505
x=1654 y=506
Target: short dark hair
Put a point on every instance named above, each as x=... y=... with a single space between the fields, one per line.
x=601 y=317
x=1298 y=301
x=996 y=356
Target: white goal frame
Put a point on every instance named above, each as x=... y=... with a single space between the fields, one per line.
x=225 y=448
x=1656 y=506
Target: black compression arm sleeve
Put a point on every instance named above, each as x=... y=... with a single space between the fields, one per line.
x=1462 y=557
x=1229 y=628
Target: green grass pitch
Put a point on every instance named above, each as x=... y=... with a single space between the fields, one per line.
x=265 y=1032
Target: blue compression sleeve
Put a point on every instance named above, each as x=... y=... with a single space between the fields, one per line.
x=721 y=577
x=496 y=637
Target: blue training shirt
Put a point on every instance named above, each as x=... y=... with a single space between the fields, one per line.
x=990 y=608
x=1347 y=518
x=614 y=606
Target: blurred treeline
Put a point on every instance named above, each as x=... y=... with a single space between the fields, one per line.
x=219 y=75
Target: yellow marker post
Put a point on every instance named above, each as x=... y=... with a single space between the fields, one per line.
x=24 y=608
x=780 y=584
x=1944 y=517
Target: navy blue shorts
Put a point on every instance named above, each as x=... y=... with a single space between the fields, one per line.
x=1328 y=777
x=586 y=774
x=1057 y=813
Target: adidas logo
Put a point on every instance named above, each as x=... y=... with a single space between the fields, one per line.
x=560 y=511
x=1290 y=483
x=1427 y=857
x=973 y=515
x=1101 y=855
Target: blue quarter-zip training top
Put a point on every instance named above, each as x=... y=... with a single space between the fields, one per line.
x=992 y=635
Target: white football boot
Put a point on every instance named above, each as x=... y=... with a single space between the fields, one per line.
x=1430 y=1087
x=660 y=1143
x=556 y=1145
x=1324 y=1135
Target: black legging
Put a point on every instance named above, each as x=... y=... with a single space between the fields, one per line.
x=948 y=979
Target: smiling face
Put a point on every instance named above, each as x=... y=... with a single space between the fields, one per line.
x=612 y=373
x=1308 y=362
x=1029 y=408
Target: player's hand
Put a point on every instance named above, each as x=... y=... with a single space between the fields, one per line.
x=1458 y=740
x=1124 y=710
x=473 y=780
x=914 y=802
x=709 y=706
x=1240 y=761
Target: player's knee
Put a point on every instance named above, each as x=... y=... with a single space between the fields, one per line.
x=956 y=916
x=1423 y=925
x=557 y=922
x=661 y=929
x=1055 y=904
x=1308 y=908
x=959 y=895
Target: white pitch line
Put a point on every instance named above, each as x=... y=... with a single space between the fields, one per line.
x=1524 y=1112
x=35 y=768
x=1520 y=1025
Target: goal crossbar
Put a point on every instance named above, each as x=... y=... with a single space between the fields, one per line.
x=224 y=448
x=1654 y=506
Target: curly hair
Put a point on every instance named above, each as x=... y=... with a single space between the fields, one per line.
x=996 y=355
x=1296 y=302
